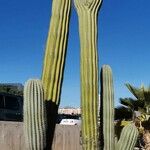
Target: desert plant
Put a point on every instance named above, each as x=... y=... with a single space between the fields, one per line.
x=87 y=16
x=54 y=59
x=54 y=62
x=34 y=115
x=107 y=108
x=132 y=104
x=142 y=94
x=128 y=138
x=129 y=133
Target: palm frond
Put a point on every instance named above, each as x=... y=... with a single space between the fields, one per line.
x=137 y=92
x=132 y=103
x=127 y=102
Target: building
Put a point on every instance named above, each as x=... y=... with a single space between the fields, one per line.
x=70 y=111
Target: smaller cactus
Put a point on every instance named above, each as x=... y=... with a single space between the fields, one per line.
x=128 y=138
x=34 y=115
x=107 y=108
x=129 y=133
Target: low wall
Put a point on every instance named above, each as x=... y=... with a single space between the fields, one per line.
x=12 y=138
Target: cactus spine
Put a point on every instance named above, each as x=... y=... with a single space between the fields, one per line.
x=107 y=106
x=34 y=115
x=128 y=138
x=87 y=14
x=55 y=50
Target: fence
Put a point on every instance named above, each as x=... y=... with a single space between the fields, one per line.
x=12 y=138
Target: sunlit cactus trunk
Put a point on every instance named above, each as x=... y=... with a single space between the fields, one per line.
x=87 y=14
x=53 y=66
x=34 y=115
x=107 y=108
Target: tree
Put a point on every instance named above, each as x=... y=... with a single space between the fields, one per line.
x=15 y=89
x=132 y=104
x=142 y=95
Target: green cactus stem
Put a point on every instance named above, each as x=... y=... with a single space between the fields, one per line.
x=128 y=138
x=87 y=15
x=53 y=66
x=34 y=115
x=107 y=108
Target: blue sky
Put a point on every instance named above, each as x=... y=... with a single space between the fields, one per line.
x=123 y=43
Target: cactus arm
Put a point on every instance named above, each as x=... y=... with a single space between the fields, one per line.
x=107 y=106
x=34 y=115
x=55 y=50
x=87 y=14
x=128 y=138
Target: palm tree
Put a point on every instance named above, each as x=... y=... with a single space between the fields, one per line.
x=142 y=95
x=132 y=104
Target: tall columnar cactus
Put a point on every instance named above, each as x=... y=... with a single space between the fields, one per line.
x=34 y=115
x=107 y=108
x=87 y=13
x=55 y=50
x=128 y=138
